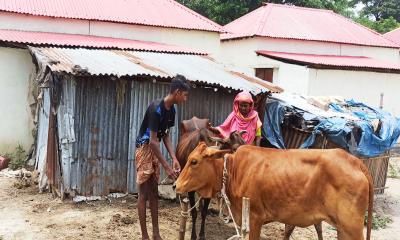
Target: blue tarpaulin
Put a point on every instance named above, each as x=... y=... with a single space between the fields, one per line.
x=357 y=136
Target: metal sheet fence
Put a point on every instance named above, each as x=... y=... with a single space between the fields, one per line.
x=99 y=119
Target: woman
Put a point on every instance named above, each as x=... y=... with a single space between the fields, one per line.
x=243 y=117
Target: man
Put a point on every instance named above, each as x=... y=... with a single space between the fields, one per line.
x=159 y=118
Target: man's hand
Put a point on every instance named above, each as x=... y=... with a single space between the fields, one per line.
x=171 y=173
x=176 y=166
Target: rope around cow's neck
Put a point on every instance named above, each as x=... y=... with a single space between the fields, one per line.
x=226 y=199
x=186 y=213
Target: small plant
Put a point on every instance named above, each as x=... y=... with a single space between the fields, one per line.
x=393 y=171
x=18 y=158
x=378 y=221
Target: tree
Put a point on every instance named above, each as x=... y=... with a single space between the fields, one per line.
x=380 y=15
x=222 y=11
x=381 y=9
x=381 y=26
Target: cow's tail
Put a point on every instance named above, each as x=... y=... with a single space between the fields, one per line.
x=370 y=200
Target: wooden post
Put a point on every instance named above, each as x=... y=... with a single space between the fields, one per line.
x=184 y=216
x=245 y=217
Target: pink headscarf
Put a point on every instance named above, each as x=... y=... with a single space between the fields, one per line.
x=236 y=121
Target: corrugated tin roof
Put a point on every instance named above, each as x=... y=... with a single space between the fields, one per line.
x=163 y=13
x=71 y=40
x=289 y=22
x=393 y=36
x=355 y=62
x=133 y=63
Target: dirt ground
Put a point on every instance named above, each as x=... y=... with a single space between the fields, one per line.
x=26 y=214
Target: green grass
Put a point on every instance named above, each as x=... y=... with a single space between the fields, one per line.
x=18 y=158
x=393 y=171
x=378 y=221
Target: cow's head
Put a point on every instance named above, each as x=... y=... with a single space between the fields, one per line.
x=203 y=171
x=234 y=141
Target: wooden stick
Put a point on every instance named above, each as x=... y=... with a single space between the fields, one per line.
x=245 y=217
x=184 y=216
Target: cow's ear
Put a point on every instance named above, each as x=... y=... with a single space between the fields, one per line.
x=216 y=153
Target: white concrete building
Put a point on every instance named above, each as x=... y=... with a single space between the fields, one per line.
x=315 y=52
x=394 y=36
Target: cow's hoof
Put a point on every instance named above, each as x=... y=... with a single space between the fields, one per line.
x=202 y=238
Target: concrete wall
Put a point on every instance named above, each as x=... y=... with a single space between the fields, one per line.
x=201 y=40
x=16 y=124
x=291 y=77
x=363 y=86
x=242 y=52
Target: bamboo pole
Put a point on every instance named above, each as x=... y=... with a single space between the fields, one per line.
x=245 y=217
x=184 y=216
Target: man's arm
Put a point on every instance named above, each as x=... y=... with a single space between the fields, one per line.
x=155 y=147
x=168 y=145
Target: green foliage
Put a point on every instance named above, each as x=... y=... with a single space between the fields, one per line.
x=381 y=26
x=381 y=9
x=378 y=221
x=222 y=11
x=393 y=171
x=18 y=158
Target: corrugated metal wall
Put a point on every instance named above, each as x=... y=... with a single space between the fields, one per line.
x=143 y=93
x=66 y=135
x=42 y=137
x=206 y=103
x=99 y=120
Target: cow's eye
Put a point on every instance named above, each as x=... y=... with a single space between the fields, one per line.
x=193 y=162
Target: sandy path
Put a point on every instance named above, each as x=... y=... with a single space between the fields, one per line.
x=26 y=214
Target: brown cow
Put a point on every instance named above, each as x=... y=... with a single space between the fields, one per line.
x=298 y=187
x=192 y=132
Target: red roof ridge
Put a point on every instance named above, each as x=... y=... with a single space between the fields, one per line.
x=264 y=19
x=394 y=30
x=198 y=15
x=358 y=24
x=298 y=7
x=243 y=16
